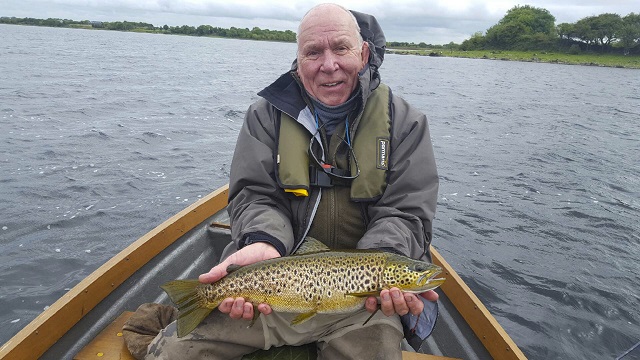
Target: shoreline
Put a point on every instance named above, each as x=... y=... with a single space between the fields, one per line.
x=600 y=60
x=584 y=59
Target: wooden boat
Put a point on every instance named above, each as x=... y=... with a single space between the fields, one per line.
x=85 y=323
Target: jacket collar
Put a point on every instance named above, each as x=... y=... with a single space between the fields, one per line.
x=288 y=95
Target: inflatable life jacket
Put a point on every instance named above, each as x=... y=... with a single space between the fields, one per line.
x=371 y=146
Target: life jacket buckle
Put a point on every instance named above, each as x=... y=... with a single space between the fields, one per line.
x=319 y=178
x=328 y=176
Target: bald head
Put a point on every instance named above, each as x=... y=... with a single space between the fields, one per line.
x=327 y=13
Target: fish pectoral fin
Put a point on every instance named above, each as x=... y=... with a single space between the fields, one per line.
x=370 y=316
x=364 y=293
x=256 y=315
x=303 y=317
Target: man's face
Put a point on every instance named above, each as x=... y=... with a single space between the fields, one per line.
x=329 y=56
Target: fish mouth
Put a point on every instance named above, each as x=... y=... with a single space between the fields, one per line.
x=433 y=283
x=427 y=282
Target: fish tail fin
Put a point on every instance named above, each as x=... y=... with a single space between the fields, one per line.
x=191 y=306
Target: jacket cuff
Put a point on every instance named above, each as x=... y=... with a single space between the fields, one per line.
x=256 y=237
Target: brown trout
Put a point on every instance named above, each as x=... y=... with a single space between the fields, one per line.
x=314 y=280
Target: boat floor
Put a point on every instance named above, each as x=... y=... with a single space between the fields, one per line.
x=109 y=345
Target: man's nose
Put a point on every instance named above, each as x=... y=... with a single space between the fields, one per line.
x=329 y=61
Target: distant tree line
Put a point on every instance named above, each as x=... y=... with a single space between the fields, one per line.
x=530 y=28
x=421 y=45
x=53 y=22
x=254 y=34
x=203 y=30
x=522 y=28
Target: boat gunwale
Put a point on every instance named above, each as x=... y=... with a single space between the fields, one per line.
x=492 y=335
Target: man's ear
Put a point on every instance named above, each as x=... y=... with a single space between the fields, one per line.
x=365 y=53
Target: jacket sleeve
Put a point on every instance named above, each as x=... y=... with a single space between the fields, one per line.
x=258 y=208
x=402 y=218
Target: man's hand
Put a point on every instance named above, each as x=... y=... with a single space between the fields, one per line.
x=246 y=256
x=238 y=308
x=394 y=301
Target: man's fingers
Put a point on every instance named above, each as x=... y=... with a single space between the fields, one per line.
x=265 y=309
x=212 y=276
x=225 y=305
x=430 y=295
x=399 y=303
x=248 y=311
x=415 y=305
x=237 y=309
x=371 y=304
x=395 y=301
x=241 y=309
x=219 y=271
x=216 y=273
x=386 y=304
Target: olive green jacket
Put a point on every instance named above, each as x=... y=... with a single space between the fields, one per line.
x=260 y=210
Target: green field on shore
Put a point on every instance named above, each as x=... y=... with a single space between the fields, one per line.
x=591 y=59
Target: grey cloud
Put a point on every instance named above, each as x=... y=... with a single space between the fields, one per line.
x=407 y=20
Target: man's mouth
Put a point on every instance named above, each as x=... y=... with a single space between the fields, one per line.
x=332 y=84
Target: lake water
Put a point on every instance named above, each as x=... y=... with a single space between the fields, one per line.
x=103 y=135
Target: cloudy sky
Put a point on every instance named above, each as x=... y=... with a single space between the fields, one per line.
x=431 y=21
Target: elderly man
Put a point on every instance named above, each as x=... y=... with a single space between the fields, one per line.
x=328 y=152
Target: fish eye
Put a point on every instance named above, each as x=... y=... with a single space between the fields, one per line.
x=420 y=267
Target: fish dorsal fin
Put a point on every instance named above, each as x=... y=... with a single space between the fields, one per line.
x=310 y=246
x=233 y=267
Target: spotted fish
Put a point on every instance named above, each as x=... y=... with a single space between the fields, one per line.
x=314 y=280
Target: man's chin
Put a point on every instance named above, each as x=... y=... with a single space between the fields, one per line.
x=332 y=100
